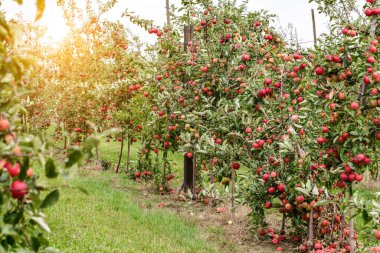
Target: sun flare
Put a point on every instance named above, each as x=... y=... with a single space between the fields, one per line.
x=52 y=19
x=56 y=27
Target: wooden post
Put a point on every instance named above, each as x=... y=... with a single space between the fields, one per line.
x=164 y=159
x=314 y=27
x=188 y=36
x=189 y=163
x=167 y=13
x=232 y=188
x=297 y=43
x=128 y=153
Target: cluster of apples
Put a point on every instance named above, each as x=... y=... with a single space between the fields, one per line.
x=18 y=188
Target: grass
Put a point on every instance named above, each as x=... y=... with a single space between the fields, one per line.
x=111 y=220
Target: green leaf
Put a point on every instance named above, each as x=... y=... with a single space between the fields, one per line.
x=75 y=155
x=51 y=250
x=315 y=191
x=366 y=217
x=40 y=9
x=8 y=230
x=51 y=169
x=323 y=202
x=83 y=190
x=40 y=221
x=50 y=199
x=302 y=191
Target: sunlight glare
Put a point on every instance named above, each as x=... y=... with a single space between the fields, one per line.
x=52 y=19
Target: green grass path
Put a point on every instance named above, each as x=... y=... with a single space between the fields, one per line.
x=110 y=220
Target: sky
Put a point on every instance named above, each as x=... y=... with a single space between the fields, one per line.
x=297 y=12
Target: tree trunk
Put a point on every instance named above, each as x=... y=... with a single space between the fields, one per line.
x=193 y=177
x=351 y=228
x=120 y=155
x=232 y=188
x=97 y=154
x=310 y=241
x=283 y=230
x=212 y=179
x=128 y=154
x=187 y=174
x=65 y=143
x=165 y=160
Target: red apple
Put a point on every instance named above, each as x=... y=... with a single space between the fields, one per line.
x=354 y=106
x=377 y=234
x=13 y=170
x=18 y=189
x=300 y=199
x=319 y=71
x=4 y=125
x=236 y=166
x=281 y=187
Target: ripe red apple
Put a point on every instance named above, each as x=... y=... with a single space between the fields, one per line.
x=268 y=81
x=359 y=177
x=271 y=190
x=204 y=69
x=377 y=234
x=248 y=130
x=29 y=172
x=343 y=177
x=367 y=80
x=268 y=205
x=273 y=174
x=18 y=189
x=317 y=245
x=300 y=199
x=378 y=136
x=189 y=155
x=354 y=106
x=325 y=223
x=4 y=125
x=352 y=33
x=236 y=166
x=371 y=59
x=137 y=174
x=368 y=12
x=321 y=140
x=319 y=71
x=294 y=118
x=262 y=232
x=13 y=170
x=245 y=57
x=281 y=187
